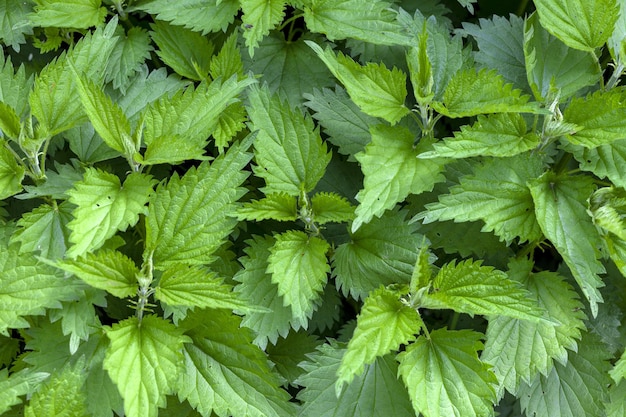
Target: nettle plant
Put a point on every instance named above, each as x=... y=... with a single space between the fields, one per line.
x=312 y=208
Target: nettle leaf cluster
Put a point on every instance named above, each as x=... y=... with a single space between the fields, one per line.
x=312 y=208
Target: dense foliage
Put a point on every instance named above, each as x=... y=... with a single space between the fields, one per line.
x=312 y=208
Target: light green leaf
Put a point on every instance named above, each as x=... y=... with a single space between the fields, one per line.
x=255 y=286
x=381 y=252
x=370 y=21
x=29 y=287
x=106 y=269
x=470 y=93
x=196 y=286
x=128 y=56
x=14 y=86
x=421 y=70
x=282 y=207
x=105 y=206
x=580 y=24
x=605 y=161
x=602 y=116
x=376 y=392
x=290 y=154
x=576 y=389
x=259 y=17
x=561 y=210
x=106 y=117
x=78 y=317
x=346 y=125
x=15 y=23
x=445 y=377
x=228 y=61
x=17 y=384
x=331 y=207
x=231 y=122
x=617 y=406
x=88 y=145
x=299 y=268
x=198 y=15
x=393 y=171
x=422 y=271
x=10 y=125
x=520 y=349
x=497 y=194
x=78 y=14
x=186 y=52
x=378 y=91
x=226 y=374
x=504 y=134
x=619 y=370
x=383 y=324
x=44 y=230
x=190 y=217
x=144 y=360
x=11 y=173
x=545 y=56
x=469 y=287
x=61 y=395
x=607 y=207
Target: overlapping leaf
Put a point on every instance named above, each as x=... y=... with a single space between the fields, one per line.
x=79 y=14
x=15 y=23
x=198 y=15
x=61 y=395
x=17 y=384
x=11 y=173
x=331 y=207
x=259 y=17
x=44 y=230
x=281 y=207
x=128 y=56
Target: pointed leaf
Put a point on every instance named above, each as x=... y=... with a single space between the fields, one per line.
x=289 y=151
x=195 y=286
x=11 y=173
x=16 y=385
x=127 y=58
x=607 y=207
x=190 y=217
x=144 y=360
x=376 y=392
x=469 y=287
x=44 y=230
x=331 y=207
x=580 y=24
x=393 y=171
x=9 y=122
x=561 y=210
x=105 y=206
x=383 y=324
x=61 y=395
x=259 y=17
x=470 y=93
x=106 y=269
x=226 y=374
x=497 y=194
x=445 y=377
x=378 y=91
x=299 y=268
x=282 y=207
x=79 y=14
x=15 y=23
x=605 y=161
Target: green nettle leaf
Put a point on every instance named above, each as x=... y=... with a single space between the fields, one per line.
x=381 y=252
x=299 y=268
x=602 y=116
x=378 y=91
x=580 y=24
x=11 y=173
x=383 y=324
x=15 y=23
x=17 y=384
x=469 y=287
x=29 y=287
x=282 y=207
x=561 y=210
x=255 y=286
x=422 y=272
x=576 y=389
x=144 y=360
x=130 y=52
x=104 y=206
x=444 y=376
x=195 y=286
x=289 y=151
x=370 y=21
x=605 y=161
x=376 y=392
x=14 y=86
x=619 y=371
x=228 y=61
x=186 y=52
x=392 y=171
x=470 y=93
x=341 y=119
x=190 y=216
x=331 y=207
x=420 y=70
x=198 y=15
x=78 y=14
x=607 y=207
x=259 y=17
x=545 y=55
x=497 y=194
x=225 y=373
x=504 y=134
x=288 y=353
x=106 y=269
x=44 y=230
x=10 y=125
x=520 y=349
x=61 y=395
x=617 y=406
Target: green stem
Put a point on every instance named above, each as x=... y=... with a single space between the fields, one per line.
x=454 y=320
x=615 y=77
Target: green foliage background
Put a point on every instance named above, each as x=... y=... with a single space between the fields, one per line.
x=312 y=208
